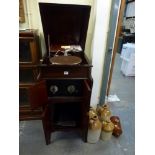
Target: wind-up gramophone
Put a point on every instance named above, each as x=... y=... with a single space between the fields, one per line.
x=65 y=68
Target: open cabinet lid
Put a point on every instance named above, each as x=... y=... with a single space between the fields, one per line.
x=66 y=24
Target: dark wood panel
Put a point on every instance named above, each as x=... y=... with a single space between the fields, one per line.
x=29 y=51
x=64 y=99
x=28 y=74
x=66 y=24
x=38 y=95
x=29 y=117
x=64 y=72
x=26 y=113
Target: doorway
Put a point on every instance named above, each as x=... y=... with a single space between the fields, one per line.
x=121 y=35
x=118 y=85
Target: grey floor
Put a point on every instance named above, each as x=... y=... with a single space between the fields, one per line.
x=32 y=137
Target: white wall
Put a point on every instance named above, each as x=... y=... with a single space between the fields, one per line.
x=33 y=19
x=99 y=46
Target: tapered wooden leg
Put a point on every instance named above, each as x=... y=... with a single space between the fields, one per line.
x=47 y=132
x=85 y=136
x=85 y=108
x=46 y=126
x=85 y=127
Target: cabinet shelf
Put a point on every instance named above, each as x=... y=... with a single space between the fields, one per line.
x=23 y=85
x=64 y=99
x=28 y=114
x=65 y=128
x=29 y=117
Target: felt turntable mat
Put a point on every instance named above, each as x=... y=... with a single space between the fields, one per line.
x=65 y=60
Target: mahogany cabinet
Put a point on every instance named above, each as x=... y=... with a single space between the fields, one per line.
x=30 y=85
x=68 y=86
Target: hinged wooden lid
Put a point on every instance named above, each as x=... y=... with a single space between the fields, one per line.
x=66 y=24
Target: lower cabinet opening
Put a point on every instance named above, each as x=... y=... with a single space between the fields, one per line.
x=65 y=115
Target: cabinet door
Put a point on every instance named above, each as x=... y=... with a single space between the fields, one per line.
x=28 y=50
x=38 y=95
x=87 y=87
x=28 y=74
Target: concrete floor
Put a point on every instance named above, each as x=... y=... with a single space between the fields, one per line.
x=32 y=140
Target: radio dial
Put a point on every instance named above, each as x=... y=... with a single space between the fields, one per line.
x=71 y=89
x=53 y=89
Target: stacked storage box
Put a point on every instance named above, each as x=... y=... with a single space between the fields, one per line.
x=128 y=59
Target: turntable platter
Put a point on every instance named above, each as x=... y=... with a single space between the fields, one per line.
x=65 y=60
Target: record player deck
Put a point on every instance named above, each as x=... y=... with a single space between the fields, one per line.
x=65 y=60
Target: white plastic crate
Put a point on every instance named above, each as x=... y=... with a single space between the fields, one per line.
x=128 y=59
x=127 y=50
x=128 y=66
